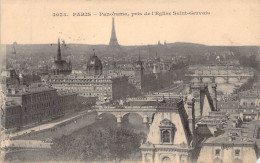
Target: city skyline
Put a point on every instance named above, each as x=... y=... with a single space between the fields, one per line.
x=221 y=27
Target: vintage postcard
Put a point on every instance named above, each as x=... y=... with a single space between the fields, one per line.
x=161 y=81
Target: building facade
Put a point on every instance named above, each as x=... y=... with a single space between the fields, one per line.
x=35 y=104
x=93 y=83
x=230 y=147
x=10 y=115
x=169 y=138
x=103 y=87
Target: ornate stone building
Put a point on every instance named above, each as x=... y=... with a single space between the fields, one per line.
x=60 y=67
x=236 y=145
x=93 y=83
x=139 y=74
x=169 y=138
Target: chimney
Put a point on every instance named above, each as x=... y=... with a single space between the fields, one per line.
x=191 y=117
x=234 y=124
x=214 y=95
x=230 y=138
x=13 y=91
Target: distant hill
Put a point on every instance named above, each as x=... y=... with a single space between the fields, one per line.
x=178 y=48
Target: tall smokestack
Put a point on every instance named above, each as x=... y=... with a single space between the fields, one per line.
x=191 y=116
x=214 y=94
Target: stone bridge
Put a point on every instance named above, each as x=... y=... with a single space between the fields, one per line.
x=146 y=112
x=214 y=78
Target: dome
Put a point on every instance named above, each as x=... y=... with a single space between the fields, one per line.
x=94 y=61
x=94 y=65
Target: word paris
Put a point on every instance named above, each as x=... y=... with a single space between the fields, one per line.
x=132 y=14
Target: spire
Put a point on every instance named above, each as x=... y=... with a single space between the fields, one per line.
x=59 y=53
x=113 y=44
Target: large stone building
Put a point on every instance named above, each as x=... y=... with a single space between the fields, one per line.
x=236 y=145
x=170 y=137
x=92 y=83
x=103 y=87
x=34 y=104
x=134 y=71
x=212 y=135
x=250 y=99
x=10 y=115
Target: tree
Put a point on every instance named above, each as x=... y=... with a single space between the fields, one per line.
x=249 y=84
x=97 y=144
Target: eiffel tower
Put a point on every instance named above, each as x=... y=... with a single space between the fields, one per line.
x=113 y=43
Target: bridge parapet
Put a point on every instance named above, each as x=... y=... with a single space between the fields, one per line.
x=124 y=107
x=141 y=99
x=146 y=113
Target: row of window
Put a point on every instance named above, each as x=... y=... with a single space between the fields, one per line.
x=245 y=104
x=12 y=122
x=87 y=88
x=12 y=111
x=37 y=97
x=40 y=116
x=80 y=80
x=39 y=106
x=218 y=151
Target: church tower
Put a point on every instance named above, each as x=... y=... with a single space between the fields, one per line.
x=60 y=67
x=139 y=73
x=113 y=43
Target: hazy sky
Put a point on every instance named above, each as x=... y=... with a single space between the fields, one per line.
x=231 y=22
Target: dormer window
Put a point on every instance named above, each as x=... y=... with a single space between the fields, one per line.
x=167 y=131
x=237 y=152
x=217 y=152
x=165 y=136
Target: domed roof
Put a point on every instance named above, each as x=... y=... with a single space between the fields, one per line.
x=94 y=61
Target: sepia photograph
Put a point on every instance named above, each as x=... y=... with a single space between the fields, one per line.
x=109 y=81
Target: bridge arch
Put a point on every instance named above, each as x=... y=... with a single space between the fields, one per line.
x=133 y=115
x=195 y=80
x=233 y=80
x=137 y=121
x=107 y=117
x=206 y=80
x=220 y=80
